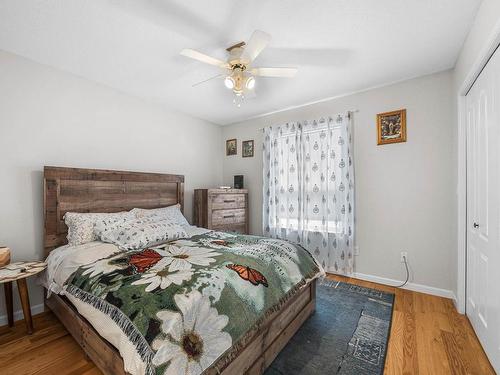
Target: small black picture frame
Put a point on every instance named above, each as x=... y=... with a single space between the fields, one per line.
x=247 y=148
x=231 y=147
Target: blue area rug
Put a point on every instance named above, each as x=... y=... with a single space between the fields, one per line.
x=347 y=334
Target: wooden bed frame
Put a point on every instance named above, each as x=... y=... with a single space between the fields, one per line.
x=90 y=190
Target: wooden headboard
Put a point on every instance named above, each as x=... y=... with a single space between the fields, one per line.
x=94 y=190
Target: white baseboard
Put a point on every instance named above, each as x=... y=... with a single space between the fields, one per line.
x=410 y=286
x=18 y=315
x=457 y=305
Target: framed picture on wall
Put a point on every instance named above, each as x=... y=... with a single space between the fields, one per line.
x=231 y=147
x=247 y=149
x=391 y=127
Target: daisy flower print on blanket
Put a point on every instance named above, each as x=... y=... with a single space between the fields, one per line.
x=190 y=304
x=183 y=257
x=190 y=343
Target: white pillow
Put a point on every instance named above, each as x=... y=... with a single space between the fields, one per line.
x=172 y=213
x=81 y=225
x=141 y=233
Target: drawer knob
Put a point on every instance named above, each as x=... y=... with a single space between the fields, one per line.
x=229 y=200
x=228 y=216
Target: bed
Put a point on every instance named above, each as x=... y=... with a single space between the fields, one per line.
x=89 y=190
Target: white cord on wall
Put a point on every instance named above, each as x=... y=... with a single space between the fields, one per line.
x=407 y=274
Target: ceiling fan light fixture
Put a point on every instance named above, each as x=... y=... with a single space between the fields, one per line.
x=250 y=83
x=238 y=100
x=229 y=82
x=238 y=70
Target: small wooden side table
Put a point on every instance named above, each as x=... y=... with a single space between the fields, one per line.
x=19 y=272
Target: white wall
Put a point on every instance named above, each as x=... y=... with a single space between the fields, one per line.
x=487 y=18
x=404 y=191
x=48 y=117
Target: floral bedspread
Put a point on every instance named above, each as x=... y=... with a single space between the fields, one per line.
x=190 y=304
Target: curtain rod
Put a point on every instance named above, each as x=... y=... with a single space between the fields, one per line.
x=349 y=112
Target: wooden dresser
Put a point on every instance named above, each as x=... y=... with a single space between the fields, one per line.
x=221 y=209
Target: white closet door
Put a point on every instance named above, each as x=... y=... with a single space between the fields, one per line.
x=483 y=210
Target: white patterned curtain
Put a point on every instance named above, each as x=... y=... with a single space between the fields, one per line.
x=309 y=188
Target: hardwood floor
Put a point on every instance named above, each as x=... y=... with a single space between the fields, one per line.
x=428 y=336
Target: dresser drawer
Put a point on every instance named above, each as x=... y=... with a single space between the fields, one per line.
x=228 y=217
x=224 y=210
x=227 y=201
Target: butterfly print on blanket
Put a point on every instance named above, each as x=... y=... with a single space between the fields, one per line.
x=248 y=274
x=144 y=260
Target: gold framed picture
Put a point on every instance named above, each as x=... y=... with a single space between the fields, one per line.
x=247 y=149
x=391 y=127
x=231 y=147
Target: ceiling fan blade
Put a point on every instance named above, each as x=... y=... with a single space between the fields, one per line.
x=208 y=79
x=258 y=41
x=332 y=57
x=274 y=72
x=191 y=53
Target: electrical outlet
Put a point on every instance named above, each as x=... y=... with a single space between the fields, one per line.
x=404 y=255
x=356 y=250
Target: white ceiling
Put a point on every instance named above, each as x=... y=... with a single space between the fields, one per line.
x=339 y=46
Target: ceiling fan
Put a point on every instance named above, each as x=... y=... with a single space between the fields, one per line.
x=239 y=74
